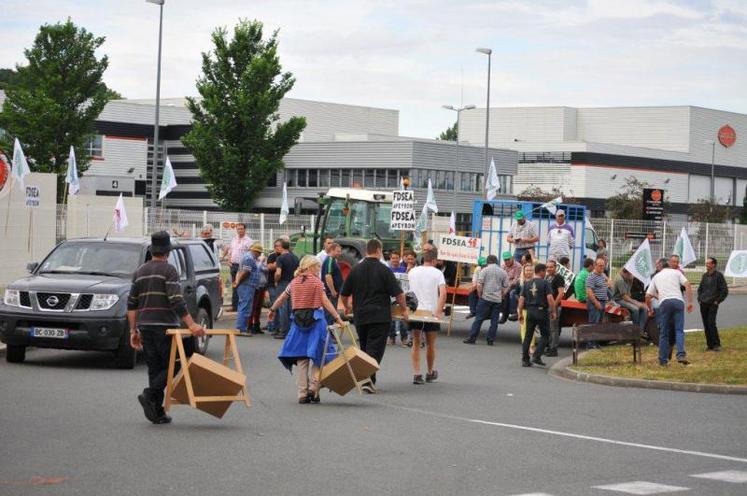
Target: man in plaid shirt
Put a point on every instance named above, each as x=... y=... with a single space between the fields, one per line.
x=246 y=284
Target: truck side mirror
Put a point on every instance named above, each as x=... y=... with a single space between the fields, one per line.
x=31 y=267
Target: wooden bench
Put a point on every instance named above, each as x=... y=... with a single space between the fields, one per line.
x=624 y=332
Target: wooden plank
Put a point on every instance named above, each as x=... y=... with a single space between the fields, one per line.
x=170 y=376
x=185 y=369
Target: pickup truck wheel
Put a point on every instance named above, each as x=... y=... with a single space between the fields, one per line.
x=201 y=342
x=15 y=354
x=125 y=356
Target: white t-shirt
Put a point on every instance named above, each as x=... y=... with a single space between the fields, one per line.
x=424 y=282
x=666 y=285
x=322 y=256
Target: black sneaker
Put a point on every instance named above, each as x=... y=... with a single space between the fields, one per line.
x=304 y=400
x=149 y=409
x=513 y=317
x=538 y=361
x=432 y=377
x=161 y=416
x=418 y=379
x=469 y=341
x=314 y=398
x=526 y=363
x=552 y=352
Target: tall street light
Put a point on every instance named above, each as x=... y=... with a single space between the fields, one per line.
x=488 y=52
x=713 y=163
x=458 y=111
x=154 y=179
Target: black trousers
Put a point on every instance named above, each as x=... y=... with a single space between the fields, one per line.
x=536 y=317
x=234 y=293
x=708 y=312
x=372 y=338
x=156 y=350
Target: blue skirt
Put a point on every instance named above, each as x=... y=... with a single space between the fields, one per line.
x=308 y=342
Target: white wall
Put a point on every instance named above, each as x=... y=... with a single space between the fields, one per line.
x=705 y=126
x=529 y=124
x=119 y=156
x=597 y=182
x=91 y=216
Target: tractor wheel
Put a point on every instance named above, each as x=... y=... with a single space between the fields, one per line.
x=347 y=260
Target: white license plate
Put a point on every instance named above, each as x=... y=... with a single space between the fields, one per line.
x=49 y=332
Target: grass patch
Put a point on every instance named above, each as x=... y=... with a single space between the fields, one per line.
x=726 y=367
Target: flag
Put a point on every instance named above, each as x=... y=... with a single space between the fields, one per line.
x=641 y=265
x=422 y=224
x=552 y=205
x=19 y=167
x=430 y=201
x=492 y=185
x=452 y=223
x=71 y=177
x=284 y=207
x=120 y=215
x=168 y=180
x=684 y=249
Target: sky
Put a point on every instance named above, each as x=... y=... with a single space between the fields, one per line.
x=417 y=55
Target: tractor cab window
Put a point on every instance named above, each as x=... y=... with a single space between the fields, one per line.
x=360 y=219
x=335 y=224
x=384 y=221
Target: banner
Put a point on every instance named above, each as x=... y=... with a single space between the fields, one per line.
x=566 y=274
x=641 y=265
x=684 y=249
x=403 y=210
x=737 y=264
x=33 y=196
x=459 y=249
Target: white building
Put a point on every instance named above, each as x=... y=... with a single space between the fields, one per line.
x=589 y=152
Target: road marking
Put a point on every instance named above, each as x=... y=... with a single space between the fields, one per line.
x=572 y=435
x=734 y=476
x=642 y=488
x=693 y=330
x=534 y=494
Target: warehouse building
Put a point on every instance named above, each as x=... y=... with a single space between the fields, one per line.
x=590 y=152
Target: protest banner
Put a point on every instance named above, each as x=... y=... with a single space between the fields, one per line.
x=460 y=249
x=403 y=210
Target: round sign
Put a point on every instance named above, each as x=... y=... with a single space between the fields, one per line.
x=727 y=136
x=738 y=264
x=4 y=177
x=656 y=195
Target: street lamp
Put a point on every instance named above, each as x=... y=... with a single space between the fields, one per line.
x=713 y=162
x=154 y=180
x=458 y=111
x=488 y=52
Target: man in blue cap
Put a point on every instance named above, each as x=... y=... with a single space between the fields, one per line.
x=523 y=235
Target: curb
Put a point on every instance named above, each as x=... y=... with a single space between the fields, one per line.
x=561 y=370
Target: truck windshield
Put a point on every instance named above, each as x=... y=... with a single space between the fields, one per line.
x=366 y=219
x=93 y=258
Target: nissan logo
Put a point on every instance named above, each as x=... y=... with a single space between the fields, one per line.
x=52 y=301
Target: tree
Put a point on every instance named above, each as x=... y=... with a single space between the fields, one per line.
x=743 y=216
x=52 y=103
x=451 y=133
x=7 y=76
x=236 y=138
x=705 y=211
x=537 y=194
x=628 y=203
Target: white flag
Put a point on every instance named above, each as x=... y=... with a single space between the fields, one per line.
x=120 y=215
x=71 y=178
x=430 y=200
x=19 y=167
x=422 y=223
x=552 y=205
x=452 y=223
x=684 y=249
x=168 y=180
x=284 y=207
x=641 y=265
x=492 y=184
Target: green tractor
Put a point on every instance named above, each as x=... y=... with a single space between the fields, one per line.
x=351 y=216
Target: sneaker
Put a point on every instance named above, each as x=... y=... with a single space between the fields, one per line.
x=244 y=334
x=538 y=361
x=149 y=409
x=418 y=379
x=513 y=317
x=161 y=416
x=469 y=316
x=469 y=341
x=490 y=342
x=432 y=377
x=683 y=361
x=526 y=363
x=303 y=400
x=552 y=352
x=717 y=348
x=314 y=398
x=368 y=389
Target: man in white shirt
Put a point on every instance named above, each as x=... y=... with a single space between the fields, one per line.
x=560 y=237
x=523 y=235
x=322 y=255
x=235 y=251
x=429 y=286
x=666 y=288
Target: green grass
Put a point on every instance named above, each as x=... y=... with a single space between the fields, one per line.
x=726 y=367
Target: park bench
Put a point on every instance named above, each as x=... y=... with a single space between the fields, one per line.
x=623 y=332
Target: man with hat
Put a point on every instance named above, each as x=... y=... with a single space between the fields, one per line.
x=510 y=300
x=246 y=284
x=523 y=235
x=560 y=237
x=155 y=304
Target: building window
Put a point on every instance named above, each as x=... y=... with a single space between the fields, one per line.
x=301 y=180
x=450 y=180
x=334 y=179
x=370 y=178
x=357 y=178
x=424 y=176
x=324 y=178
x=478 y=182
x=465 y=184
x=345 y=178
x=94 y=146
x=290 y=177
x=381 y=178
x=312 y=180
x=392 y=180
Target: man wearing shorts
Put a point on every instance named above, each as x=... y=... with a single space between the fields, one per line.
x=429 y=286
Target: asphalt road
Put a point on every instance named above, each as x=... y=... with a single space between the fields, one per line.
x=71 y=424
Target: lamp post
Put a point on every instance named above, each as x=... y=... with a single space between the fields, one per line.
x=458 y=111
x=154 y=180
x=488 y=52
x=713 y=166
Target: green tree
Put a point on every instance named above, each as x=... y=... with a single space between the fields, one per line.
x=52 y=103
x=537 y=194
x=628 y=203
x=236 y=137
x=451 y=133
x=705 y=211
x=7 y=76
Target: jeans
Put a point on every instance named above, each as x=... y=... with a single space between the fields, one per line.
x=246 y=305
x=372 y=339
x=509 y=304
x=555 y=331
x=234 y=294
x=398 y=326
x=486 y=310
x=520 y=252
x=284 y=311
x=671 y=321
x=637 y=314
x=595 y=316
x=273 y=325
x=535 y=318
x=330 y=318
x=472 y=300
x=708 y=312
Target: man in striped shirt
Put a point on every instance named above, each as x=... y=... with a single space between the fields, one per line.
x=155 y=304
x=596 y=294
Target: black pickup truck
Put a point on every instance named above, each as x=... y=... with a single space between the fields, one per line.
x=76 y=298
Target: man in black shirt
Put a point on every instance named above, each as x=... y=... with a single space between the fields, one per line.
x=372 y=285
x=272 y=259
x=536 y=297
x=712 y=291
x=155 y=304
x=557 y=284
x=285 y=270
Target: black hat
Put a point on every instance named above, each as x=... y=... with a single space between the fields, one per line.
x=160 y=243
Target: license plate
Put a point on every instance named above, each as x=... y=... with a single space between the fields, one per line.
x=49 y=332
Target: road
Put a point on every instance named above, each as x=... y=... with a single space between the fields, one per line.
x=72 y=422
